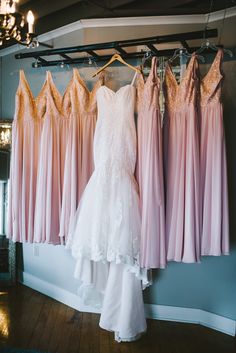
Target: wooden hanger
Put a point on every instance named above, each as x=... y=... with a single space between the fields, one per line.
x=118 y=58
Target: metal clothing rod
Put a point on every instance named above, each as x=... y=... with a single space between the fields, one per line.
x=117 y=46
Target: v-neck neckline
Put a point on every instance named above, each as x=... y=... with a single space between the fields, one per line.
x=179 y=85
x=78 y=78
x=48 y=81
x=219 y=52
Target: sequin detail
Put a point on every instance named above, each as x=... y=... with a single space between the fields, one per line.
x=210 y=87
x=178 y=95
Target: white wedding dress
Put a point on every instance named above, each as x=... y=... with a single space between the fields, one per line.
x=105 y=236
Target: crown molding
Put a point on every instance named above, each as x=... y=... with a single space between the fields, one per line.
x=61 y=31
x=158 y=20
x=142 y=21
x=219 y=15
x=125 y=22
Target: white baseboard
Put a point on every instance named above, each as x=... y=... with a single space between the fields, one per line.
x=193 y=316
x=153 y=311
x=57 y=293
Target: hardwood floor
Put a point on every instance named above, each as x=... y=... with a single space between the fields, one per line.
x=29 y=319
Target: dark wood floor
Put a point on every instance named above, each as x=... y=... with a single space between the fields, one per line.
x=29 y=319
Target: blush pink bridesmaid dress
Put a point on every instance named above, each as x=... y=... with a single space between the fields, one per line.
x=150 y=171
x=51 y=165
x=24 y=165
x=215 y=221
x=183 y=176
x=80 y=105
x=88 y=104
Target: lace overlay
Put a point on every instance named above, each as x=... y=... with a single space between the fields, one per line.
x=107 y=223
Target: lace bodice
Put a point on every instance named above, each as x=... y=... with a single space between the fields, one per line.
x=115 y=135
x=110 y=198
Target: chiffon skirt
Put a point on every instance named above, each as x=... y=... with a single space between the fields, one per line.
x=183 y=187
x=214 y=188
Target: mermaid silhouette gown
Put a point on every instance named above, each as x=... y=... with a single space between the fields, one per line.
x=105 y=235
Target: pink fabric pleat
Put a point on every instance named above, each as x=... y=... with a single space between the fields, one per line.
x=24 y=165
x=150 y=172
x=183 y=176
x=51 y=166
x=214 y=189
x=80 y=105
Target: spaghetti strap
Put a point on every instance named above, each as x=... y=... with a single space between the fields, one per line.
x=22 y=76
x=153 y=71
x=134 y=78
